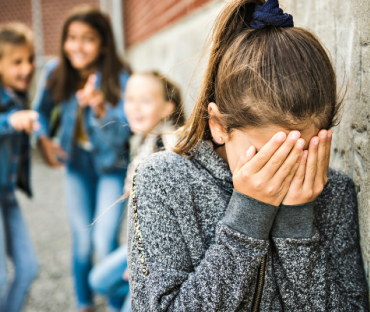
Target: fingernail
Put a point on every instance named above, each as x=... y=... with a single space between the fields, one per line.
x=295 y=135
x=316 y=141
x=280 y=137
x=301 y=153
x=249 y=151
x=329 y=134
x=300 y=143
x=305 y=155
x=324 y=135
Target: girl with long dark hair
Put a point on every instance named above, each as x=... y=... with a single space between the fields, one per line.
x=87 y=82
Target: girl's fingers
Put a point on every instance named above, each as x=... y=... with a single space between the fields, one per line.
x=311 y=167
x=90 y=84
x=289 y=163
x=321 y=155
x=266 y=152
x=276 y=162
x=96 y=99
x=328 y=148
x=244 y=158
x=292 y=173
x=60 y=152
x=301 y=171
x=36 y=126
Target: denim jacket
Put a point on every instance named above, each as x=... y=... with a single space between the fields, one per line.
x=109 y=137
x=14 y=149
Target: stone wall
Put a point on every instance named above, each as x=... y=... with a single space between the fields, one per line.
x=344 y=28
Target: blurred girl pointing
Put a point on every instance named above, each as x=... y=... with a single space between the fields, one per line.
x=87 y=81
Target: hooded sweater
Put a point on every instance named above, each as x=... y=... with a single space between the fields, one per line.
x=196 y=244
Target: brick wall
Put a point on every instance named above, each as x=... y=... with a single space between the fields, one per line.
x=16 y=10
x=142 y=18
x=54 y=13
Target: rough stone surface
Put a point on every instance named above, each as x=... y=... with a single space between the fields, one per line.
x=344 y=28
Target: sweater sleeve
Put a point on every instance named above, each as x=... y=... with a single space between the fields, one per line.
x=163 y=276
x=321 y=270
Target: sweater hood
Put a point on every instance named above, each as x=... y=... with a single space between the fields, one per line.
x=207 y=158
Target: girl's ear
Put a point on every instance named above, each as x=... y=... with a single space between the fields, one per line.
x=217 y=131
x=169 y=109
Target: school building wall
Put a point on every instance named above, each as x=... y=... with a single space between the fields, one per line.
x=344 y=28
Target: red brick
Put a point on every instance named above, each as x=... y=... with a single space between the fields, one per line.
x=16 y=11
x=143 y=18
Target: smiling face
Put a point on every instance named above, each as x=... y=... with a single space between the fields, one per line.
x=82 y=45
x=145 y=105
x=17 y=66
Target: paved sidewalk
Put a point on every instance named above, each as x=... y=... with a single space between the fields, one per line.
x=47 y=222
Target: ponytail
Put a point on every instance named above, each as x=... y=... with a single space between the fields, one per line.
x=235 y=17
x=259 y=76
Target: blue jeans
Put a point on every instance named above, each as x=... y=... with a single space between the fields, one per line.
x=106 y=279
x=93 y=216
x=15 y=241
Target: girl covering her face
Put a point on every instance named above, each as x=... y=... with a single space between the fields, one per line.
x=245 y=214
x=86 y=84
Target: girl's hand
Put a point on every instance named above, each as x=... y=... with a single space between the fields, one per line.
x=267 y=175
x=312 y=174
x=125 y=275
x=51 y=151
x=25 y=120
x=90 y=96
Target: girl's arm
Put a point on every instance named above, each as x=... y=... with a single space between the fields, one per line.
x=5 y=126
x=18 y=120
x=43 y=102
x=112 y=129
x=160 y=259
x=324 y=266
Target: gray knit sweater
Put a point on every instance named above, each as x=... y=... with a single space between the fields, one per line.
x=195 y=244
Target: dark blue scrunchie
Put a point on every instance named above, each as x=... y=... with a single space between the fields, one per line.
x=270 y=14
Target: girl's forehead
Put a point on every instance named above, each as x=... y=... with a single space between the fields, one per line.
x=81 y=27
x=145 y=82
x=260 y=136
x=16 y=50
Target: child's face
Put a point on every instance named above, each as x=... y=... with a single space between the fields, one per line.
x=145 y=105
x=240 y=141
x=17 y=66
x=82 y=46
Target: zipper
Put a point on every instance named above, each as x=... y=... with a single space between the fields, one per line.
x=259 y=288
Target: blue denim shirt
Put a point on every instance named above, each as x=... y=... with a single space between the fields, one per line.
x=109 y=136
x=14 y=149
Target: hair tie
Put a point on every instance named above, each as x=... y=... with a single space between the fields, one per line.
x=270 y=14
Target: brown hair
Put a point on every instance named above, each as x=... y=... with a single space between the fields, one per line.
x=171 y=93
x=272 y=76
x=65 y=78
x=15 y=34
